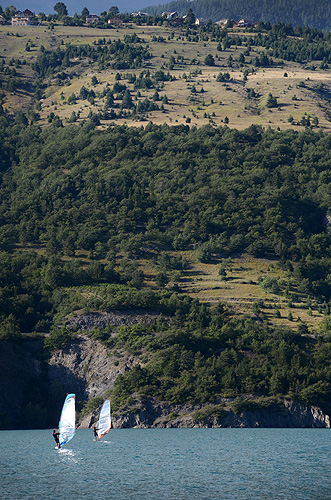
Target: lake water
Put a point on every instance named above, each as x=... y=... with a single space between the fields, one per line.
x=168 y=464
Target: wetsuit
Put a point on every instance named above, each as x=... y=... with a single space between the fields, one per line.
x=56 y=437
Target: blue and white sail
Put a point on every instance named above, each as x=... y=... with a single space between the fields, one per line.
x=67 y=420
x=104 y=422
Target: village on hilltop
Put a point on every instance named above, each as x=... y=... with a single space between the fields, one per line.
x=28 y=18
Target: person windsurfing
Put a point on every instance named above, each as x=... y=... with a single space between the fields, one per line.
x=56 y=437
x=95 y=430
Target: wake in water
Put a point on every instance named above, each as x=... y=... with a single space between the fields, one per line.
x=68 y=456
x=63 y=451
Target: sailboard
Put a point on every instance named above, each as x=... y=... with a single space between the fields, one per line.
x=104 y=422
x=67 y=420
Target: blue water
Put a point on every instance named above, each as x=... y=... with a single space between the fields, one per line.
x=168 y=464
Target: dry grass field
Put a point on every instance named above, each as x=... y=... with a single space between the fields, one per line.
x=194 y=96
x=240 y=289
x=242 y=292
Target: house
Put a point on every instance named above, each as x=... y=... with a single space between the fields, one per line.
x=115 y=20
x=177 y=21
x=140 y=14
x=200 y=22
x=244 y=23
x=170 y=15
x=92 y=18
x=2 y=20
x=222 y=22
x=22 y=18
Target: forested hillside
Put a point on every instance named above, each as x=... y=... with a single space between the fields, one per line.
x=125 y=194
x=158 y=188
x=298 y=13
x=114 y=200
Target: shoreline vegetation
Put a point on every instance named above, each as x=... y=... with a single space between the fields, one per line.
x=148 y=223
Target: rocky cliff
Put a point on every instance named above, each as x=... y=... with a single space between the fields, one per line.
x=88 y=369
x=151 y=413
x=33 y=389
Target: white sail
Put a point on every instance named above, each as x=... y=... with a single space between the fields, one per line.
x=104 y=422
x=67 y=420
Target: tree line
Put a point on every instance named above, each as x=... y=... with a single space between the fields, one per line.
x=297 y=12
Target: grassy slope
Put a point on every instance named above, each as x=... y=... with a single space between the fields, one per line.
x=206 y=107
x=240 y=289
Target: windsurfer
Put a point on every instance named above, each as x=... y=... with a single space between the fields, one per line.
x=56 y=437
x=95 y=430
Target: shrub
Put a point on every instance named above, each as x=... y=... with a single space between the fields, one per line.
x=209 y=412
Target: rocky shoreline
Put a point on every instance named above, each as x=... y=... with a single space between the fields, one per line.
x=35 y=386
x=154 y=414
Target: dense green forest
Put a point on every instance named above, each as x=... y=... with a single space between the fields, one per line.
x=203 y=355
x=139 y=190
x=298 y=13
x=126 y=193
x=135 y=191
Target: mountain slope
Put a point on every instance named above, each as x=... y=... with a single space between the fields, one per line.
x=99 y=217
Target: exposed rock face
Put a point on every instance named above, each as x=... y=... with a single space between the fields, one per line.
x=162 y=414
x=89 y=369
x=28 y=381
x=117 y=318
x=291 y=415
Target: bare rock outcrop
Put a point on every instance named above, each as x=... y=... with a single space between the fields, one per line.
x=87 y=368
x=98 y=319
x=153 y=413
